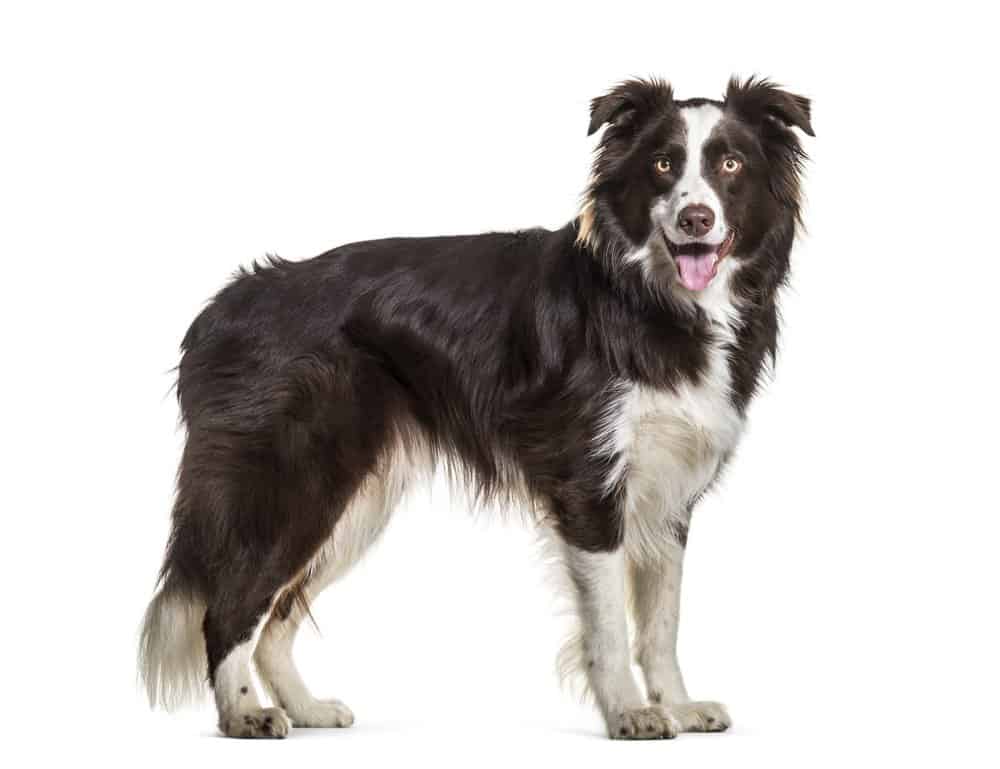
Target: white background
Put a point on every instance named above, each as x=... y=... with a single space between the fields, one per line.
x=841 y=585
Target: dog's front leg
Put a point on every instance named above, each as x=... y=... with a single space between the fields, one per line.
x=598 y=579
x=656 y=589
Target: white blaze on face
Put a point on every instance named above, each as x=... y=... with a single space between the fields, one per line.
x=693 y=188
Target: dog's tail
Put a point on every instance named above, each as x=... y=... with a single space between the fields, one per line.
x=173 y=665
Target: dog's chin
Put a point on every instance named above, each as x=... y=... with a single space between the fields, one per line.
x=698 y=263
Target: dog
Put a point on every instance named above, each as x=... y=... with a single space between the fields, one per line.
x=597 y=376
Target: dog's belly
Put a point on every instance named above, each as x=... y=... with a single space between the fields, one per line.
x=672 y=444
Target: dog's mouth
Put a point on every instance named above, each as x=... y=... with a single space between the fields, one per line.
x=698 y=263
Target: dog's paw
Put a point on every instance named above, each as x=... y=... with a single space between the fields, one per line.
x=323 y=714
x=649 y=723
x=702 y=716
x=260 y=722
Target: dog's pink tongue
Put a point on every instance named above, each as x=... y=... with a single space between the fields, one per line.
x=696 y=271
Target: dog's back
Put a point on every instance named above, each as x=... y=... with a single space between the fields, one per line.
x=597 y=376
x=314 y=392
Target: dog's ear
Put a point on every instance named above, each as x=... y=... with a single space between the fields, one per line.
x=626 y=105
x=758 y=99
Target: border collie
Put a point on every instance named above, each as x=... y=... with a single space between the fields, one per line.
x=597 y=376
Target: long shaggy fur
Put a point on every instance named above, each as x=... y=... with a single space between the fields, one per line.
x=172 y=660
x=530 y=366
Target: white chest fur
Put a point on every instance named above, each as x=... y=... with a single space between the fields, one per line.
x=670 y=443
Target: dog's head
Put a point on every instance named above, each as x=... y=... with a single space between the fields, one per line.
x=680 y=186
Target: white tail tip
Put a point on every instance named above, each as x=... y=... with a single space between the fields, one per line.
x=172 y=659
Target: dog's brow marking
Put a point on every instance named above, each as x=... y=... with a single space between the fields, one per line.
x=693 y=187
x=598 y=391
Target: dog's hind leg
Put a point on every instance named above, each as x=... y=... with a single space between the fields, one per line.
x=253 y=609
x=273 y=462
x=358 y=528
x=282 y=680
x=254 y=602
x=240 y=711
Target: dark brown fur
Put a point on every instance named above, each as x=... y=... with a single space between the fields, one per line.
x=501 y=349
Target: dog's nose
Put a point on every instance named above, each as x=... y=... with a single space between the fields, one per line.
x=695 y=221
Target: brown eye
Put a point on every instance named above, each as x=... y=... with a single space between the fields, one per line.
x=662 y=165
x=731 y=165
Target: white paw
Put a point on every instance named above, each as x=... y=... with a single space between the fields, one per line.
x=322 y=713
x=649 y=723
x=702 y=716
x=260 y=722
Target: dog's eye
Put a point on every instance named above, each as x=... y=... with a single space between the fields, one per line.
x=662 y=165
x=731 y=165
